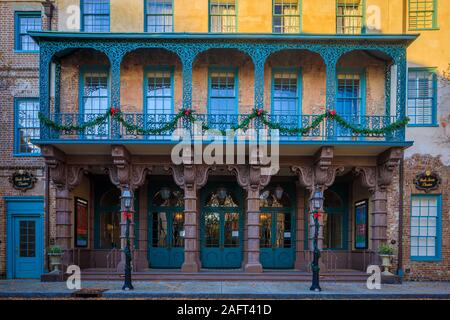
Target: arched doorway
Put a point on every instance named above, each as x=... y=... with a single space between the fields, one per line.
x=335 y=218
x=166 y=228
x=221 y=227
x=277 y=232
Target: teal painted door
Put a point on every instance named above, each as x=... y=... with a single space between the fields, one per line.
x=166 y=249
x=28 y=247
x=221 y=230
x=276 y=243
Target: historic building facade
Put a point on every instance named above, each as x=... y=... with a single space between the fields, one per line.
x=92 y=90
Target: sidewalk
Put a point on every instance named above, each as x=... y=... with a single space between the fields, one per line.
x=228 y=290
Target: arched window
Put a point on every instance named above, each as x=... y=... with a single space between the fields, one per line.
x=221 y=197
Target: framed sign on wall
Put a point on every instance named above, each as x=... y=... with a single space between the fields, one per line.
x=81 y=223
x=361 y=225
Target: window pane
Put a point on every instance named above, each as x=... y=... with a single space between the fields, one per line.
x=178 y=230
x=28 y=126
x=349 y=16
x=109 y=230
x=231 y=230
x=159 y=16
x=421 y=96
x=160 y=227
x=159 y=92
x=28 y=22
x=286 y=16
x=422 y=14
x=424 y=215
x=96 y=15
x=222 y=15
x=27 y=239
x=222 y=93
x=212 y=229
x=265 y=230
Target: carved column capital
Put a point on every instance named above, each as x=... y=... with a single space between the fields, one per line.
x=322 y=173
x=249 y=177
x=190 y=175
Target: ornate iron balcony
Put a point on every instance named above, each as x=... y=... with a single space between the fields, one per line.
x=140 y=128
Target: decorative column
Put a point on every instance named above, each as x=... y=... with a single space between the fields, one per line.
x=66 y=178
x=300 y=226
x=401 y=62
x=57 y=86
x=330 y=56
x=187 y=60
x=44 y=87
x=124 y=174
x=250 y=178
x=259 y=56
x=115 y=56
x=377 y=179
x=320 y=175
x=191 y=178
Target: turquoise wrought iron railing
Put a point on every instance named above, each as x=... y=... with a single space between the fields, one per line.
x=327 y=130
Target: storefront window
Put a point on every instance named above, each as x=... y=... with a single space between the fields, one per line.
x=333 y=221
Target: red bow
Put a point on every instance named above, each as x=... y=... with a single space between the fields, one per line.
x=187 y=112
x=316 y=215
x=259 y=112
x=332 y=113
x=113 y=110
x=127 y=215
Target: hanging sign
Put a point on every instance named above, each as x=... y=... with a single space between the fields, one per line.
x=22 y=180
x=427 y=181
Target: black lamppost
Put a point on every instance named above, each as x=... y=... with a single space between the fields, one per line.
x=316 y=206
x=126 y=204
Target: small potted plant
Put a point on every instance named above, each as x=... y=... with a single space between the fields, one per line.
x=386 y=253
x=55 y=253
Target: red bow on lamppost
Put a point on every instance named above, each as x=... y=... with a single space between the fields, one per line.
x=127 y=215
x=316 y=215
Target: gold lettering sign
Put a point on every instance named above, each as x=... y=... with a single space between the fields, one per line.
x=427 y=181
x=22 y=180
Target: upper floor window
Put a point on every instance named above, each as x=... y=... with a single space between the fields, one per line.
x=159 y=16
x=159 y=91
x=422 y=93
x=350 y=16
x=26 y=21
x=95 y=15
x=222 y=16
x=27 y=126
x=422 y=14
x=222 y=91
x=286 y=92
x=286 y=16
x=426 y=214
x=350 y=93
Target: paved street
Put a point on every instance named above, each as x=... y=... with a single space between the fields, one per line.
x=229 y=289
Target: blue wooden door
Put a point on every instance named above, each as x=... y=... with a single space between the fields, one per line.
x=276 y=240
x=166 y=249
x=221 y=229
x=28 y=247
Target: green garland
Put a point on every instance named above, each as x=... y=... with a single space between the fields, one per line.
x=190 y=116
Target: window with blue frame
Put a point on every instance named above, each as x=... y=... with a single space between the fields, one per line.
x=222 y=92
x=286 y=92
x=95 y=15
x=26 y=21
x=422 y=92
x=159 y=91
x=95 y=98
x=350 y=16
x=426 y=214
x=222 y=16
x=286 y=16
x=27 y=126
x=422 y=14
x=159 y=15
x=349 y=100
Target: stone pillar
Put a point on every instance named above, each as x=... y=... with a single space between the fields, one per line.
x=250 y=178
x=379 y=218
x=63 y=218
x=191 y=178
x=65 y=178
x=300 y=229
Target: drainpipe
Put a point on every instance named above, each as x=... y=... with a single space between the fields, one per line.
x=48 y=11
x=47 y=211
x=401 y=180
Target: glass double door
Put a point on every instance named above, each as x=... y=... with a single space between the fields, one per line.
x=166 y=249
x=276 y=239
x=221 y=238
